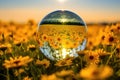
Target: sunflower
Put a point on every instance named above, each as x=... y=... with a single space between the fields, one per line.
x=65 y=62
x=19 y=71
x=91 y=57
x=43 y=62
x=17 y=42
x=75 y=44
x=115 y=29
x=9 y=50
x=40 y=42
x=1 y=53
x=94 y=72
x=17 y=62
x=58 y=39
x=45 y=37
x=31 y=47
x=90 y=43
x=64 y=73
x=27 y=78
x=5 y=46
x=118 y=48
x=66 y=44
x=50 y=77
x=100 y=38
x=55 y=46
x=79 y=38
x=109 y=39
x=51 y=39
x=101 y=52
x=118 y=51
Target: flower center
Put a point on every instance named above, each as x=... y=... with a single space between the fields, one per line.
x=91 y=57
x=16 y=62
x=95 y=73
x=118 y=50
x=103 y=37
x=118 y=27
x=111 y=39
x=45 y=37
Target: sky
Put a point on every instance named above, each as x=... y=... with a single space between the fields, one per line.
x=88 y=10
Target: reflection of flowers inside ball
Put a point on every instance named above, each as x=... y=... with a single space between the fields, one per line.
x=61 y=34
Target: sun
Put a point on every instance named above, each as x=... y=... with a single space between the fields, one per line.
x=61 y=1
x=63 y=20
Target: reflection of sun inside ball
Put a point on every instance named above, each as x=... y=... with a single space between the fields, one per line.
x=61 y=34
x=63 y=20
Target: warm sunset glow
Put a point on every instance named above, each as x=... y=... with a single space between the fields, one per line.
x=89 y=10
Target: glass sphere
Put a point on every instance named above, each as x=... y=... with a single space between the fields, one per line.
x=61 y=34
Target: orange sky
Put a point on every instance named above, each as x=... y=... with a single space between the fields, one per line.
x=98 y=11
x=25 y=14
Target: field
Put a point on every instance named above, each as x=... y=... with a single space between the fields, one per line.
x=21 y=58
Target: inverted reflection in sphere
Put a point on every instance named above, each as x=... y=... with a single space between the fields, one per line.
x=61 y=34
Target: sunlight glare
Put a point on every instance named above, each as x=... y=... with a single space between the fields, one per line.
x=63 y=20
x=64 y=52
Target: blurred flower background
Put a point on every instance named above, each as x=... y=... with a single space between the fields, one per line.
x=21 y=59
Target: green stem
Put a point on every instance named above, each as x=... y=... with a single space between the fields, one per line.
x=8 y=76
x=81 y=62
x=110 y=56
x=4 y=54
x=19 y=77
x=3 y=75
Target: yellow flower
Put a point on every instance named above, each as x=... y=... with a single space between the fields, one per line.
x=66 y=44
x=19 y=71
x=55 y=45
x=27 y=78
x=45 y=37
x=17 y=62
x=64 y=73
x=75 y=44
x=40 y=42
x=58 y=39
x=118 y=48
x=1 y=53
x=43 y=62
x=93 y=72
x=24 y=39
x=91 y=57
x=115 y=29
x=100 y=38
x=91 y=42
x=3 y=47
x=79 y=38
x=118 y=51
x=101 y=52
x=17 y=42
x=50 y=77
x=106 y=71
x=31 y=47
x=51 y=39
x=9 y=51
x=65 y=62
x=109 y=39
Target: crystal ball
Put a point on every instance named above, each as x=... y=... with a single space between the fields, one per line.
x=61 y=34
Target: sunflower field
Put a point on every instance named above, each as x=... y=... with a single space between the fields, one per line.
x=21 y=58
